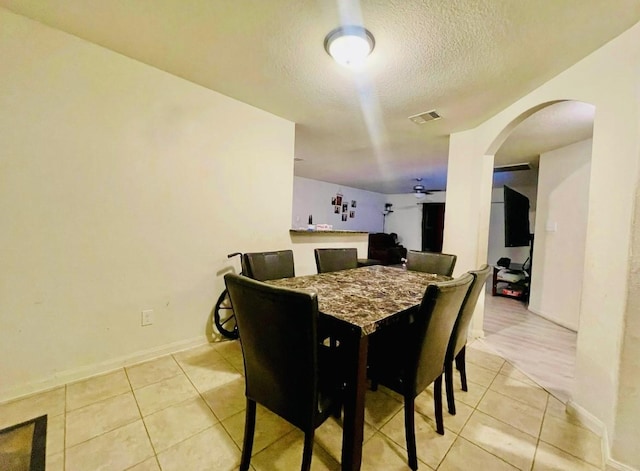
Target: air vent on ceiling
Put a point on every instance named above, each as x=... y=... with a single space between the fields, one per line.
x=512 y=167
x=422 y=118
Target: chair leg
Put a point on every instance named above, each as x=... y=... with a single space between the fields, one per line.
x=437 y=404
x=308 y=451
x=249 y=430
x=410 y=432
x=448 y=383
x=461 y=365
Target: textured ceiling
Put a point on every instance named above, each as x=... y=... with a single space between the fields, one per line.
x=467 y=59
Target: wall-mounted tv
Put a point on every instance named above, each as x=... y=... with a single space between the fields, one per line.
x=516 y=219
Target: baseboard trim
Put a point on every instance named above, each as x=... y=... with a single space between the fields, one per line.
x=573 y=328
x=87 y=371
x=597 y=426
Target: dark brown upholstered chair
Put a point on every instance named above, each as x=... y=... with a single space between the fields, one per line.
x=264 y=266
x=458 y=343
x=431 y=262
x=286 y=369
x=409 y=357
x=385 y=248
x=328 y=260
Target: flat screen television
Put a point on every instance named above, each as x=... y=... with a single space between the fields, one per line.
x=516 y=219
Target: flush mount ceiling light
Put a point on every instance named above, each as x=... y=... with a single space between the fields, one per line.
x=349 y=45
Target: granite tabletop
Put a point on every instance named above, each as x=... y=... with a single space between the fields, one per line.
x=365 y=297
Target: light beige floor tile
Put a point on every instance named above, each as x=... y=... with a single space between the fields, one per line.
x=380 y=407
x=232 y=352
x=157 y=396
x=228 y=399
x=100 y=417
x=431 y=447
x=286 y=454
x=117 y=450
x=208 y=450
x=153 y=371
x=55 y=434
x=54 y=462
x=198 y=356
x=515 y=413
x=49 y=403
x=269 y=428
x=513 y=372
x=572 y=439
x=148 y=465
x=424 y=404
x=485 y=359
x=479 y=374
x=530 y=394
x=500 y=439
x=329 y=436
x=558 y=409
x=382 y=453
x=96 y=389
x=207 y=377
x=464 y=456
x=237 y=363
x=178 y=422
x=550 y=458
x=472 y=396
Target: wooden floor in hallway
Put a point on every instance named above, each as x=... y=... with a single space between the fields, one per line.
x=541 y=349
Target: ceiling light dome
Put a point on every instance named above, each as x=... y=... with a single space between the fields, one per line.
x=349 y=45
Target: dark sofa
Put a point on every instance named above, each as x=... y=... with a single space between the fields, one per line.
x=383 y=247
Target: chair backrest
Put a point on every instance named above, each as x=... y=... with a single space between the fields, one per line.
x=461 y=328
x=431 y=262
x=328 y=260
x=429 y=336
x=264 y=266
x=278 y=332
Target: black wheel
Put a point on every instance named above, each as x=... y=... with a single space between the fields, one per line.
x=224 y=318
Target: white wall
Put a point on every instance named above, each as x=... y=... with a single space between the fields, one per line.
x=305 y=243
x=406 y=219
x=608 y=79
x=558 y=260
x=122 y=188
x=314 y=197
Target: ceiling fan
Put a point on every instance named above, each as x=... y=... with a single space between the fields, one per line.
x=419 y=190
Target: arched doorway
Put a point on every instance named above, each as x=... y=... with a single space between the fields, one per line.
x=550 y=152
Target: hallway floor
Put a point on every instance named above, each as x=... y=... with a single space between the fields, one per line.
x=186 y=412
x=544 y=351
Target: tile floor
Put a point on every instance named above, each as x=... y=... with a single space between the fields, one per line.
x=186 y=412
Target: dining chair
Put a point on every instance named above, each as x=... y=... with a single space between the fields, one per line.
x=408 y=357
x=431 y=262
x=286 y=370
x=328 y=260
x=264 y=266
x=458 y=342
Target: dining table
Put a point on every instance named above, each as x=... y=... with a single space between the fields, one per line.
x=353 y=305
